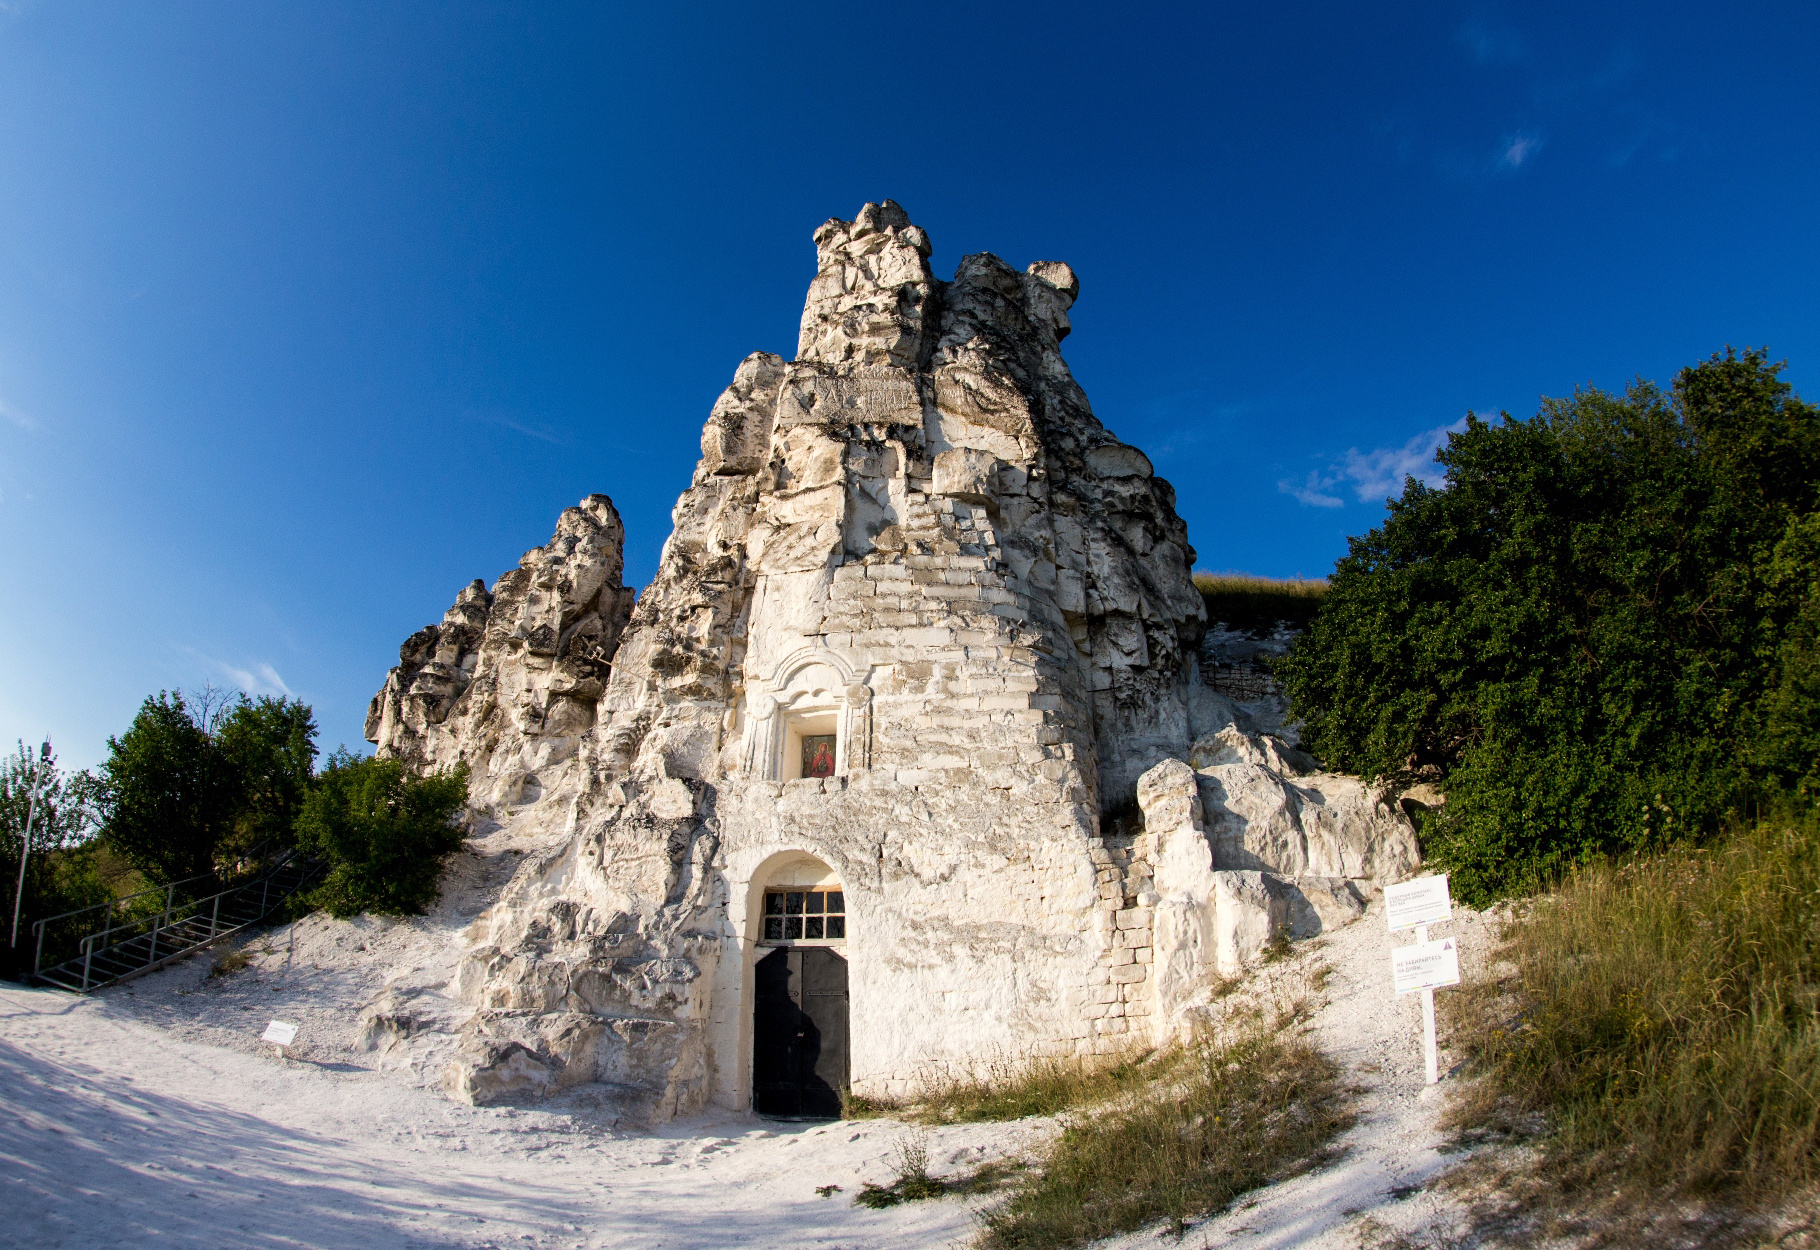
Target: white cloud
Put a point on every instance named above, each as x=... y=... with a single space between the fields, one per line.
x=507 y=422
x=1491 y=42
x=258 y=679
x=1376 y=475
x=1313 y=492
x=18 y=418
x=1516 y=150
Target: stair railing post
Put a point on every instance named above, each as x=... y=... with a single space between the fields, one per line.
x=215 y=915
x=38 y=959
x=88 y=954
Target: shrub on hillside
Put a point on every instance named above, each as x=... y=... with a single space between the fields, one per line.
x=385 y=833
x=1600 y=635
x=61 y=869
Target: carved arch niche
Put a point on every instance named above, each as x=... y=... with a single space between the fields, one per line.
x=813 y=693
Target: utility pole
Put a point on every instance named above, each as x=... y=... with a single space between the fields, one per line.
x=25 y=843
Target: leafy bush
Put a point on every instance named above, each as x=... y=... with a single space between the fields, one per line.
x=1259 y=604
x=384 y=832
x=1668 y=1020
x=1602 y=634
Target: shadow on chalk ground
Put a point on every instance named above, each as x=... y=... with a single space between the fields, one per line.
x=90 y=1160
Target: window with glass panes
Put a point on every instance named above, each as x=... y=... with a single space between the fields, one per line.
x=805 y=915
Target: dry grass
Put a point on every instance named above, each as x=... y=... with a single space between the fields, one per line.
x=1013 y=1090
x=1209 y=1123
x=1245 y=601
x=230 y=962
x=1658 y=1038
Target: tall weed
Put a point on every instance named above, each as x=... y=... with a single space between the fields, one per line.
x=1669 y=1018
x=1013 y=1090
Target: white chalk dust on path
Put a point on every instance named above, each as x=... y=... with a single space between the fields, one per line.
x=114 y=1133
x=117 y=1132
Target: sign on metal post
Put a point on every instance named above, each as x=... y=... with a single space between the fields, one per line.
x=279 y=1033
x=1426 y=966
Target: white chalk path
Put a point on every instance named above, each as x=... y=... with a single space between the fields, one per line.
x=1393 y=1154
x=115 y=1132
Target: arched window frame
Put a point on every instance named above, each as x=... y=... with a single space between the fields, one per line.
x=775 y=702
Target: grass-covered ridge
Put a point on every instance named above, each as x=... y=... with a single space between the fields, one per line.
x=1259 y=604
x=1173 y=1134
x=1664 y=1020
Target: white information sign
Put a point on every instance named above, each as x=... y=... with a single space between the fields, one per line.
x=1422 y=901
x=279 y=1033
x=1426 y=965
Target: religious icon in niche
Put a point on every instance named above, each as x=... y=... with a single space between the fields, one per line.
x=818 y=755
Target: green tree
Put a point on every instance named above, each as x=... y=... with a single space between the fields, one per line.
x=59 y=871
x=269 y=746
x=1583 y=634
x=169 y=792
x=385 y=833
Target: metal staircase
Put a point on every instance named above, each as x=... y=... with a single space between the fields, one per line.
x=131 y=941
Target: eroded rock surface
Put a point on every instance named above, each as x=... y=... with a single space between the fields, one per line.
x=509 y=679
x=920 y=628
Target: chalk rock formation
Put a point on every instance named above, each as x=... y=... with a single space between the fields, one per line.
x=509 y=679
x=921 y=626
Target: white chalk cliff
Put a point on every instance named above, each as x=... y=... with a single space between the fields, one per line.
x=916 y=540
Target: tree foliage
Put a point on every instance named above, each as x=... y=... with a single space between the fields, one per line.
x=199 y=779
x=170 y=793
x=385 y=833
x=60 y=873
x=1602 y=633
x=270 y=748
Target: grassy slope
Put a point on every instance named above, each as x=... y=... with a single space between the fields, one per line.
x=1172 y=1135
x=1664 y=1020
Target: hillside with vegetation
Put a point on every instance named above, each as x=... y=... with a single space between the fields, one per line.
x=1599 y=640
x=1601 y=635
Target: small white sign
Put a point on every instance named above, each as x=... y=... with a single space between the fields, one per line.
x=1422 y=901
x=279 y=1033
x=1425 y=965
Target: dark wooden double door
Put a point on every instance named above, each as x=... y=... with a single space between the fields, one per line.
x=799 y=1033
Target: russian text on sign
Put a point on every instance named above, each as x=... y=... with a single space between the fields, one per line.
x=1425 y=965
x=1422 y=901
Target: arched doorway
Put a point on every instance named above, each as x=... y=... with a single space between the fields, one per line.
x=800 y=1051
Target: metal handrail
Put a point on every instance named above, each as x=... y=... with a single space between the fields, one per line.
x=262 y=850
x=88 y=944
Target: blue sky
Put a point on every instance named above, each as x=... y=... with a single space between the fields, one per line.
x=310 y=312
